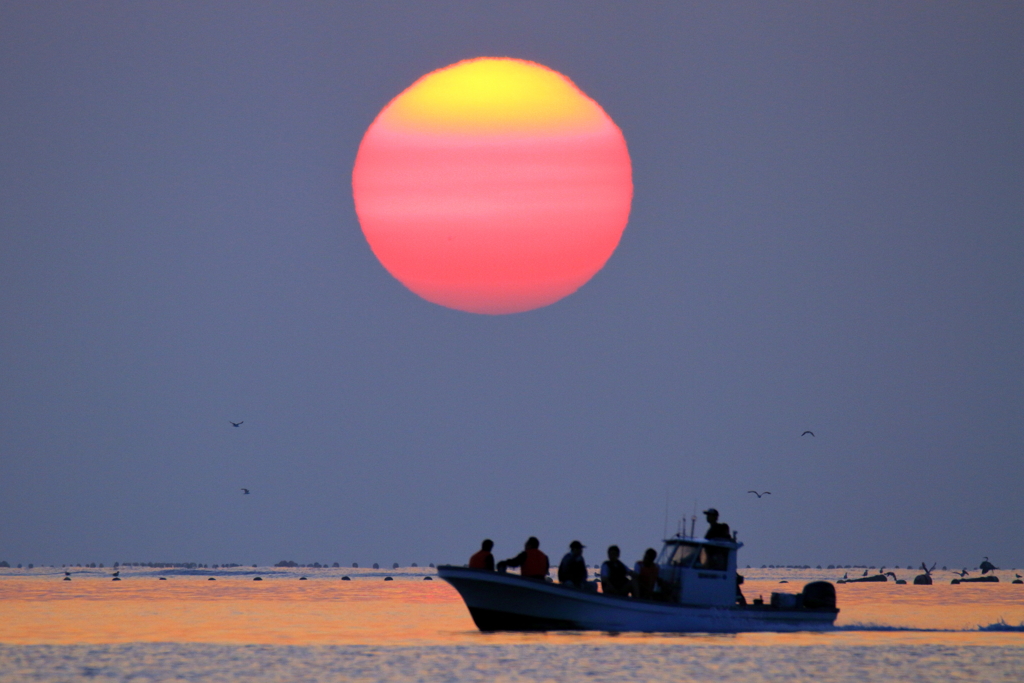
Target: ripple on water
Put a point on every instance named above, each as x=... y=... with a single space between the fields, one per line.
x=522 y=662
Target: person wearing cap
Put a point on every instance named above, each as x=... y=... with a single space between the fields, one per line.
x=572 y=571
x=717 y=530
x=483 y=559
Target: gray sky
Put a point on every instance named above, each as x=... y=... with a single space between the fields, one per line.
x=826 y=234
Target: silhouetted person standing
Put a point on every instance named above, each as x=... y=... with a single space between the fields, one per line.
x=532 y=563
x=573 y=569
x=483 y=559
x=718 y=530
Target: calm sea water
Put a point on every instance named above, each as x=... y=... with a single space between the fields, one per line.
x=188 y=628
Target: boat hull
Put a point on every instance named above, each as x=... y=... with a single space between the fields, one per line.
x=507 y=602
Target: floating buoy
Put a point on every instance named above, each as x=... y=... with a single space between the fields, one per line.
x=68 y=578
x=302 y=578
x=427 y=578
x=345 y=578
x=388 y=578
x=1014 y=581
x=116 y=578
x=955 y=582
x=783 y=581
x=258 y=579
x=162 y=578
x=211 y=579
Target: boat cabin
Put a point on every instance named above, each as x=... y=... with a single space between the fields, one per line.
x=698 y=571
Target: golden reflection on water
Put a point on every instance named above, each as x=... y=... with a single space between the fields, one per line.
x=285 y=611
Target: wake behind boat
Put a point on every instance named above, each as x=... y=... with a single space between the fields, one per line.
x=698 y=593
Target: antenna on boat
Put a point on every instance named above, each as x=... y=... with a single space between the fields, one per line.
x=693 y=519
x=664 y=529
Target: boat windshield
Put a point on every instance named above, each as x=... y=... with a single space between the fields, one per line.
x=679 y=554
x=713 y=557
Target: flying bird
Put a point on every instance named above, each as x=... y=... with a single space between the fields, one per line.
x=765 y=493
x=987 y=567
x=237 y=424
x=808 y=432
x=245 y=492
x=963 y=572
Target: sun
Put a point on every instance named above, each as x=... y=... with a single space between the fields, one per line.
x=493 y=185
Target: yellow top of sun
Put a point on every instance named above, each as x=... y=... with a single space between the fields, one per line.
x=494 y=95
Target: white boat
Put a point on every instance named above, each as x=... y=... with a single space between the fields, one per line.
x=698 y=592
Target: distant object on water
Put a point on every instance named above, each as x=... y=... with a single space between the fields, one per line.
x=258 y=578
x=237 y=424
x=987 y=567
x=345 y=578
x=302 y=578
x=394 y=566
x=763 y=493
x=388 y=578
x=992 y=578
x=376 y=566
x=926 y=578
x=427 y=578
x=1018 y=579
x=808 y=432
x=68 y=578
x=874 y=578
x=211 y=579
x=355 y=565
x=245 y=492
x=162 y=578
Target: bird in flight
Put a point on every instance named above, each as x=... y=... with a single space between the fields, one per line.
x=763 y=493
x=245 y=492
x=808 y=432
x=963 y=572
x=237 y=424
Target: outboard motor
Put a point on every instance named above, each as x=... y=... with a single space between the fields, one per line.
x=819 y=595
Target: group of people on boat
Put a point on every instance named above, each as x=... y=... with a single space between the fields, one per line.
x=642 y=581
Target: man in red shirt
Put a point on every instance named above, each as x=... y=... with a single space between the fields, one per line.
x=482 y=559
x=532 y=562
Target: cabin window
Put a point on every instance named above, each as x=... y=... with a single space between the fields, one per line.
x=713 y=557
x=679 y=555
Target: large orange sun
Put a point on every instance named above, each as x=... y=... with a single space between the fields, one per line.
x=493 y=185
